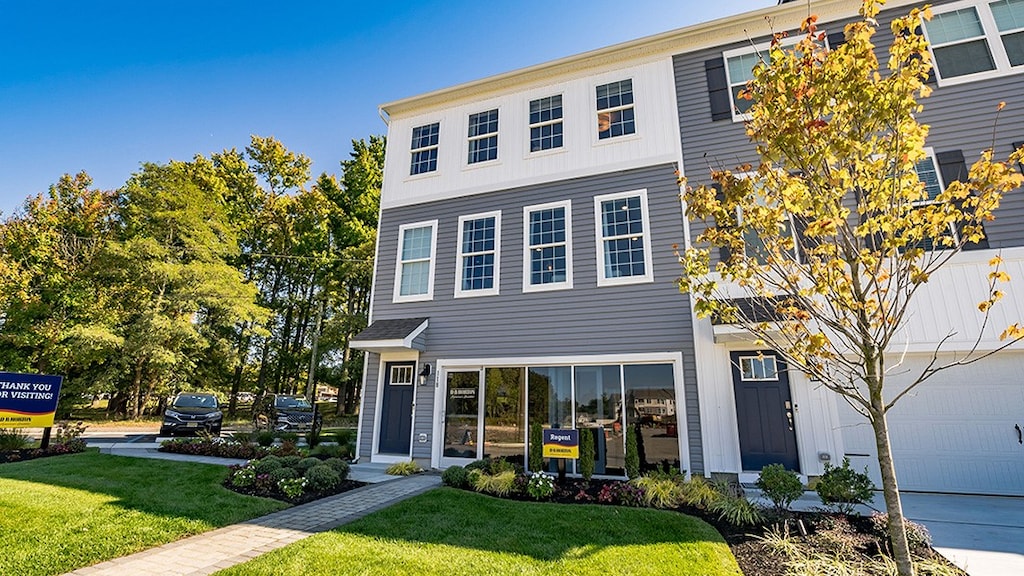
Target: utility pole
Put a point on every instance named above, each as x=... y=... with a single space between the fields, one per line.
x=310 y=389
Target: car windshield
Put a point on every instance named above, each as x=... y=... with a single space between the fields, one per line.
x=195 y=401
x=292 y=403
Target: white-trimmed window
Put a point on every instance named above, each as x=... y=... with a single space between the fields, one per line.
x=547 y=260
x=739 y=69
x=976 y=40
x=414 y=276
x=424 y=148
x=615 y=114
x=546 y=123
x=479 y=254
x=401 y=375
x=483 y=136
x=928 y=172
x=753 y=244
x=623 y=238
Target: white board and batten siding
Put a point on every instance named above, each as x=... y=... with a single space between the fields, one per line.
x=656 y=140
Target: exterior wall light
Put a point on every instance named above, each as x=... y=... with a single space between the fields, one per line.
x=424 y=374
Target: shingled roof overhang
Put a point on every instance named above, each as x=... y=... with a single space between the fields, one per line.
x=394 y=335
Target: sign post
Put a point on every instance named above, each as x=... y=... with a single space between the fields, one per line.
x=29 y=401
x=561 y=444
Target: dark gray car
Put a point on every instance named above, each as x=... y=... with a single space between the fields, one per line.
x=191 y=413
x=286 y=413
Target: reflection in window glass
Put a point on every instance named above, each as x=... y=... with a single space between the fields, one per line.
x=504 y=401
x=754 y=368
x=599 y=407
x=652 y=414
x=550 y=400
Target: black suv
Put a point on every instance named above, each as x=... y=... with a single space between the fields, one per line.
x=190 y=413
x=286 y=413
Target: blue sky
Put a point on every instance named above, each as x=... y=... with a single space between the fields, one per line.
x=102 y=86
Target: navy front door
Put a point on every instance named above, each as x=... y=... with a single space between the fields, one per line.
x=764 y=411
x=396 y=408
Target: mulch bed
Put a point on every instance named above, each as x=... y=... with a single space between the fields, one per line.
x=24 y=454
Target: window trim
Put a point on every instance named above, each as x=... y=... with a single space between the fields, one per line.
x=413 y=151
x=763 y=47
x=759 y=358
x=397 y=296
x=459 y=254
x=530 y=152
x=797 y=252
x=469 y=139
x=648 y=275
x=567 y=284
x=991 y=35
x=597 y=140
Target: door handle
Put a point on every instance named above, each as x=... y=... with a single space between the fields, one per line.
x=1020 y=434
x=789 y=417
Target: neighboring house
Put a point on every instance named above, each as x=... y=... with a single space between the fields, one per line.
x=525 y=272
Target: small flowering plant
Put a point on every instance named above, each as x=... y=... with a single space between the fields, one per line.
x=243 y=476
x=292 y=487
x=541 y=486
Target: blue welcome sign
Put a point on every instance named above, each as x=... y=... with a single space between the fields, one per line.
x=561 y=443
x=28 y=400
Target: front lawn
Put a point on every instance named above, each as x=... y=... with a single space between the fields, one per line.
x=451 y=532
x=66 y=512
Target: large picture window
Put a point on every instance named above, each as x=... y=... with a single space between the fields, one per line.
x=547 y=262
x=624 y=247
x=976 y=40
x=479 y=243
x=414 y=277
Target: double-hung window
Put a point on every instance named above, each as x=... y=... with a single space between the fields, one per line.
x=623 y=238
x=546 y=123
x=479 y=251
x=414 y=277
x=615 y=115
x=753 y=243
x=424 y=149
x=927 y=170
x=483 y=136
x=739 y=70
x=972 y=40
x=547 y=262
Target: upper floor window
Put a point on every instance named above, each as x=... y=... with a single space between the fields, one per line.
x=479 y=242
x=615 y=115
x=414 y=277
x=928 y=172
x=972 y=41
x=547 y=263
x=623 y=238
x=739 y=70
x=546 y=123
x=424 y=148
x=483 y=136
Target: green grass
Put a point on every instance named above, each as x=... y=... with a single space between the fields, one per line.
x=65 y=512
x=452 y=532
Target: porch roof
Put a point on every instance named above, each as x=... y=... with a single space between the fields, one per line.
x=392 y=335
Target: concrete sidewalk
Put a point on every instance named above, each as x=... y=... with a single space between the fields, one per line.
x=225 y=547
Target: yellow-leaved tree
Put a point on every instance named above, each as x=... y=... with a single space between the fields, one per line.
x=838 y=142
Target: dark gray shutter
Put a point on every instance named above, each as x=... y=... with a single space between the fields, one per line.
x=718 y=89
x=724 y=254
x=836 y=39
x=1016 y=146
x=953 y=168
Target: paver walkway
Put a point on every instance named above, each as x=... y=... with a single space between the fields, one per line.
x=225 y=547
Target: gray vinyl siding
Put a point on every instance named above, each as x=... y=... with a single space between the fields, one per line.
x=584 y=320
x=962 y=117
x=368 y=409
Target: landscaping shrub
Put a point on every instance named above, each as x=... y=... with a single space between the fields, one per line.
x=292 y=437
x=13 y=439
x=267 y=465
x=493 y=466
x=292 y=487
x=313 y=438
x=265 y=437
x=843 y=488
x=632 y=454
x=344 y=436
x=622 y=493
x=660 y=490
x=216 y=447
x=736 y=510
x=404 y=468
x=500 y=484
x=455 y=476
x=586 y=461
x=243 y=437
x=779 y=485
x=243 y=476
x=697 y=492
x=332 y=451
x=536 y=447
x=541 y=486
x=291 y=461
x=306 y=463
x=282 y=473
x=322 y=477
x=339 y=465
x=917 y=535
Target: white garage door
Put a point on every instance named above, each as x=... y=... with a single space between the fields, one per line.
x=957 y=433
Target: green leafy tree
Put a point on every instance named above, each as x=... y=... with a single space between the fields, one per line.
x=838 y=142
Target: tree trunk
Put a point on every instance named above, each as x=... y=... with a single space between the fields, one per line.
x=890 y=489
x=136 y=393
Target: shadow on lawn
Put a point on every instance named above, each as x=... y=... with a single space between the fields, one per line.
x=543 y=531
